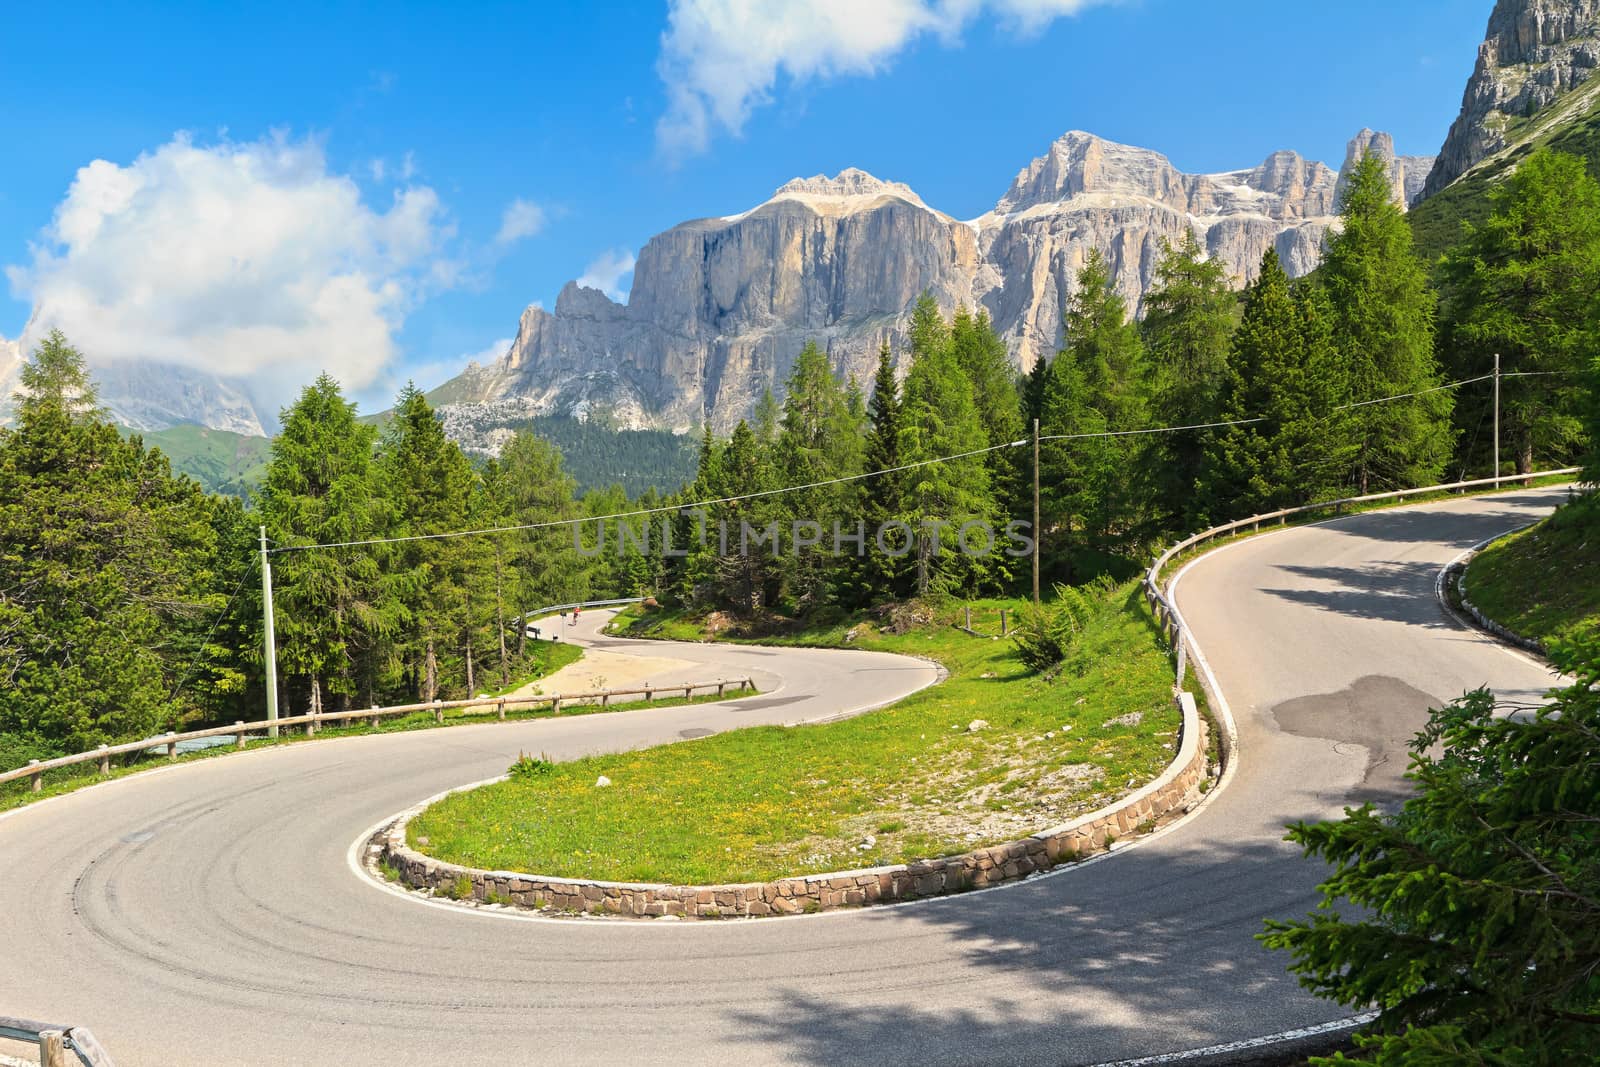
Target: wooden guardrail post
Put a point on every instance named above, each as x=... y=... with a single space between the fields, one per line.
x=687 y=690
x=105 y=760
x=311 y=725
x=649 y=694
x=53 y=1049
x=172 y=746
x=500 y=709
x=38 y=776
x=555 y=705
x=721 y=688
x=373 y=721
x=605 y=698
x=438 y=712
x=239 y=738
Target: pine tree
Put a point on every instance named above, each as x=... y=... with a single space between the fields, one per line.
x=319 y=489
x=747 y=574
x=768 y=417
x=1283 y=371
x=1468 y=918
x=1188 y=327
x=428 y=486
x=1099 y=383
x=821 y=440
x=1032 y=389
x=939 y=417
x=983 y=359
x=544 y=567
x=883 y=573
x=107 y=571
x=1383 y=314
x=1522 y=285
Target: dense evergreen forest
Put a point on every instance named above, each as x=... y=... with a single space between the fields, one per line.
x=129 y=597
x=597 y=454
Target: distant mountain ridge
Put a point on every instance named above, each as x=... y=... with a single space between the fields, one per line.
x=720 y=306
x=1534 y=52
x=1534 y=86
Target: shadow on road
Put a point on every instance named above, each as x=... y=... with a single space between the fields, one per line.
x=1146 y=952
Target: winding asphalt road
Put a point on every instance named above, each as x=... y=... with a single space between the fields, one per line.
x=207 y=914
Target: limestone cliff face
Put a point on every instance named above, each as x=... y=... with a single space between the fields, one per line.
x=720 y=307
x=1534 y=52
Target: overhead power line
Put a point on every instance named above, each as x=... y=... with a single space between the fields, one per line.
x=679 y=508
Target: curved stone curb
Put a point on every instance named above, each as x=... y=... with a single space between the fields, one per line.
x=1455 y=576
x=1176 y=790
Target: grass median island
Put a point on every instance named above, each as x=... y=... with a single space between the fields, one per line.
x=1544 y=582
x=907 y=782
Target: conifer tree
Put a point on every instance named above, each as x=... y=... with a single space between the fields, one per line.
x=319 y=489
x=544 y=567
x=983 y=359
x=1383 y=314
x=883 y=573
x=1468 y=917
x=1097 y=384
x=106 y=570
x=939 y=417
x=1523 y=285
x=820 y=440
x=428 y=485
x=1283 y=372
x=1188 y=326
x=747 y=574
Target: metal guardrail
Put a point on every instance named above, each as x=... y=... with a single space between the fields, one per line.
x=36 y=768
x=1172 y=623
x=539 y=613
x=59 y=1046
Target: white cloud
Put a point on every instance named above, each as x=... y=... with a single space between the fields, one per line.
x=522 y=218
x=248 y=260
x=606 y=272
x=720 y=59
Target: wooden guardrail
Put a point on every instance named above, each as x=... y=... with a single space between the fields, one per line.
x=35 y=769
x=1172 y=622
x=59 y=1046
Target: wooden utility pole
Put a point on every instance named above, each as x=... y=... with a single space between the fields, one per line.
x=268 y=638
x=1496 y=420
x=1037 y=533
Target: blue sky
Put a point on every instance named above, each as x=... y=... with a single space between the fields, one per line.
x=415 y=175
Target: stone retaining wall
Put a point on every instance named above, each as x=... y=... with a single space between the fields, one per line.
x=1177 y=790
x=1457 y=573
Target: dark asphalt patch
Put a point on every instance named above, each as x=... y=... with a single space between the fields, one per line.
x=1379 y=713
x=690 y=735
x=770 y=702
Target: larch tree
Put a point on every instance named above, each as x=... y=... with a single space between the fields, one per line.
x=1523 y=285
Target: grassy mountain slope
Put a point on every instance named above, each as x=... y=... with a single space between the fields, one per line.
x=1570 y=124
x=222 y=461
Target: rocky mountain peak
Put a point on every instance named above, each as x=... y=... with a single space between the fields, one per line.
x=1533 y=52
x=1079 y=163
x=848 y=182
x=1407 y=174
x=720 y=307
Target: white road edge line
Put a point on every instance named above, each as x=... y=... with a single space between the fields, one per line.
x=1250 y=1043
x=1215 y=699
